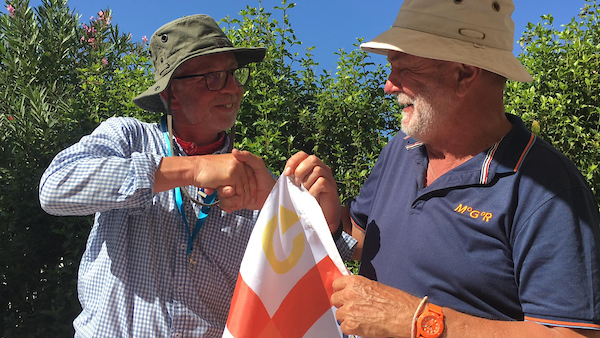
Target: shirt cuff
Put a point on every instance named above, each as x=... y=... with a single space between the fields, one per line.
x=346 y=245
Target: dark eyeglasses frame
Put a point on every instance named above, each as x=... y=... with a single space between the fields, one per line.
x=233 y=72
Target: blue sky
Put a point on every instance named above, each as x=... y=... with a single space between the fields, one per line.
x=325 y=24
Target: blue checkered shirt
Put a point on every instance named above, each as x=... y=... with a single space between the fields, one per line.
x=135 y=277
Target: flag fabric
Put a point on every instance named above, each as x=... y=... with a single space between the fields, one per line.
x=284 y=284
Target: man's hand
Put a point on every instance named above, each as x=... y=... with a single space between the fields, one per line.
x=371 y=309
x=319 y=181
x=241 y=183
x=261 y=183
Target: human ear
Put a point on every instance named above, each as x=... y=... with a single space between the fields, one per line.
x=465 y=77
x=174 y=98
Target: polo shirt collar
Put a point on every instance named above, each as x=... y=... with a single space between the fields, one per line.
x=503 y=158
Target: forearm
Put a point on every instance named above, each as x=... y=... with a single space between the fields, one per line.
x=173 y=172
x=372 y=309
x=88 y=185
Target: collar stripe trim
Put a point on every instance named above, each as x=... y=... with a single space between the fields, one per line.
x=525 y=152
x=414 y=145
x=485 y=168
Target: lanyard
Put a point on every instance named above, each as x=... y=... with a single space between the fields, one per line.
x=203 y=214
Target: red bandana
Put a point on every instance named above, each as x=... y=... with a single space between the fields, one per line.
x=191 y=148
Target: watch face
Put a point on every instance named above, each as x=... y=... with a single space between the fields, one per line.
x=430 y=324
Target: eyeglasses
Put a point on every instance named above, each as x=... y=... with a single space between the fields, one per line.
x=218 y=80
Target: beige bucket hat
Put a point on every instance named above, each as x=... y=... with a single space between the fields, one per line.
x=475 y=32
x=180 y=40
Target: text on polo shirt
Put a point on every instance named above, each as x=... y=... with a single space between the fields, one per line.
x=476 y=214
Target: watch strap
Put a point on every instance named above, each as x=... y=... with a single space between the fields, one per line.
x=430 y=310
x=418 y=311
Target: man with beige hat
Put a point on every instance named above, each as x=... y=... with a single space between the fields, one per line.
x=469 y=225
x=163 y=256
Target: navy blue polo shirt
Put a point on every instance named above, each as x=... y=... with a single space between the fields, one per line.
x=511 y=234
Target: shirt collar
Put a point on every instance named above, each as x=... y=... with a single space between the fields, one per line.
x=504 y=157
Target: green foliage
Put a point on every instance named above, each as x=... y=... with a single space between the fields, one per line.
x=58 y=79
x=57 y=84
x=562 y=104
x=341 y=117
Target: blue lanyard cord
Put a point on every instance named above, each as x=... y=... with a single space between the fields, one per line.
x=203 y=214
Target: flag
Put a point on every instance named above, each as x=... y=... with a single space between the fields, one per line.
x=284 y=284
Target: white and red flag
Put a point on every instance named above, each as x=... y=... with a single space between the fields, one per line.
x=284 y=285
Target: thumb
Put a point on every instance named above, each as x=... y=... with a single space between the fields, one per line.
x=254 y=162
x=251 y=160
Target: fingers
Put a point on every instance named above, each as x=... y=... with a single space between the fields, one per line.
x=309 y=170
x=251 y=160
x=318 y=179
x=340 y=283
x=230 y=177
x=371 y=309
x=293 y=162
x=251 y=189
x=242 y=186
x=342 y=300
x=209 y=191
x=230 y=204
x=261 y=177
x=225 y=191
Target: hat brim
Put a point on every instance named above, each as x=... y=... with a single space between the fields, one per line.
x=150 y=98
x=431 y=46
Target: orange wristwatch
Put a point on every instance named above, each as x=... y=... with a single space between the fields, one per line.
x=431 y=322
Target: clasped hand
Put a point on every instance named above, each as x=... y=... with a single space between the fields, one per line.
x=241 y=179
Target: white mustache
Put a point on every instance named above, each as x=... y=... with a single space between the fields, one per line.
x=404 y=100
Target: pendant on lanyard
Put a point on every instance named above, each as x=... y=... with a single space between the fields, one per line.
x=202 y=215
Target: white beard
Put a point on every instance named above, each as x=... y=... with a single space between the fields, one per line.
x=421 y=121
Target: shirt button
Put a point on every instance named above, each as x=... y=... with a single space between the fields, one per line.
x=183 y=247
x=180 y=289
x=177 y=335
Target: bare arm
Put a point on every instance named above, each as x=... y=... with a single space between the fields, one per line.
x=353 y=230
x=371 y=309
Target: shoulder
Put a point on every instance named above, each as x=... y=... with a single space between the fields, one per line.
x=549 y=166
x=537 y=160
x=127 y=129
x=126 y=124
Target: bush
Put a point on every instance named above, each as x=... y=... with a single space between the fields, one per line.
x=58 y=79
x=562 y=103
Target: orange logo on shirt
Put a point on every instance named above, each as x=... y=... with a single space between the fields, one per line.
x=476 y=214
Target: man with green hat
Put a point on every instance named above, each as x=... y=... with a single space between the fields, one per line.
x=163 y=255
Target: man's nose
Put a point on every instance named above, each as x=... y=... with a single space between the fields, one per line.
x=391 y=87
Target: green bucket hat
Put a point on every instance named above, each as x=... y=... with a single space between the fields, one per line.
x=180 y=40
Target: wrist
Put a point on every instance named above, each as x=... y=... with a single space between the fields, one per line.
x=338 y=232
x=173 y=172
x=418 y=312
x=429 y=320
